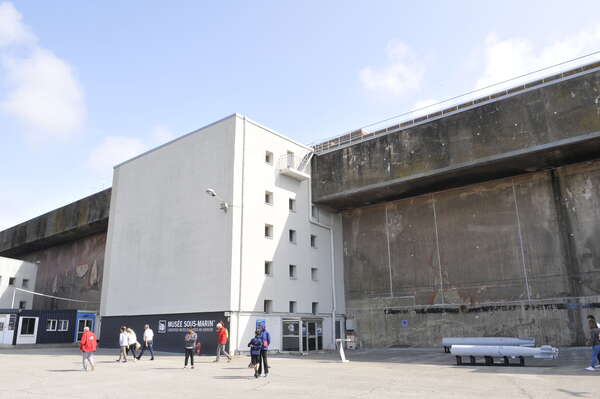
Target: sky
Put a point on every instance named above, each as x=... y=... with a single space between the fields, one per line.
x=87 y=85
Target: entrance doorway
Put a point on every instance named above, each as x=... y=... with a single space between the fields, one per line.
x=302 y=335
x=312 y=335
x=27 y=332
x=4 y=334
x=291 y=336
x=83 y=323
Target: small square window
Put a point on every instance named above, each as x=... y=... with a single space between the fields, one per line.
x=313 y=240
x=22 y=304
x=27 y=325
x=292 y=236
x=315 y=307
x=268 y=197
x=314 y=273
x=290 y=159
x=269 y=157
x=11 y=280
x=51 y=325
x=292 y=205
x=25 y=283
x=292 y=306
x=293 y=272
x=268 y=231
x=268 y=306
x=268 y=268
x=63 y=325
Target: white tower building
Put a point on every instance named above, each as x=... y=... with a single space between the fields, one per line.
x=219 y=223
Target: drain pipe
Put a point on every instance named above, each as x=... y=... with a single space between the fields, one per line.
x=333 y=301
x=332 y=260
x=239 y=307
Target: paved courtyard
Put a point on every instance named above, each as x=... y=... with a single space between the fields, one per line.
x=392 y=373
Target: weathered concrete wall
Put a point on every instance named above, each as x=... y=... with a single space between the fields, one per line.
x=515 y=256
x=71 y=222
x=70 y=270
x=547 y=126
x=67 y=245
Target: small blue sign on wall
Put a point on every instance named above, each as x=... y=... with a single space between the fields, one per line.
x=404 y=323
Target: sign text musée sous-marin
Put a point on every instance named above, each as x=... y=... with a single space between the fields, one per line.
x=169 y=329
x=165 y=326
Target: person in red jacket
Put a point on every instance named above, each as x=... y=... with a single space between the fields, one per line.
x=222 y=337
x=88 y=347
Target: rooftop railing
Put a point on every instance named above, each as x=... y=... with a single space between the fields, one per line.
x=456 y=104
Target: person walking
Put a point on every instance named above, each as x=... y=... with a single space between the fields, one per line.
x=266 y=340
x=190 y=344
x=132 y=342
x=592 y=319
x=255 y=345
x=222 y=337
x=148 y=341
x=88 y=346
x=595 y=343
x=123 y=345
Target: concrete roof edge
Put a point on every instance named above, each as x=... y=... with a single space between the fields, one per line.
x=235 y=114
x=275 y=132
x=56 y=209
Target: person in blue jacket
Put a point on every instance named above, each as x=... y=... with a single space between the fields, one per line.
x=255 y=345
x=266 y=340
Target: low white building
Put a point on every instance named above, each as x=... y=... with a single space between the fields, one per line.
x=219 y=224
x=16 y=274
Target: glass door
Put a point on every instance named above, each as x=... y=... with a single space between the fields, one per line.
x=312 y=335
x=291 y=336
x=81 y=324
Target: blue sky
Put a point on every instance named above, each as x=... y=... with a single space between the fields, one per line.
x=85 y=85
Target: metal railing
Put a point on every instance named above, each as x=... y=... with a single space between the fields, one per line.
x=292 y=161
x=433 y=111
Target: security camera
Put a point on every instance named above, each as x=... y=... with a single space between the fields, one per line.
x=211 y=192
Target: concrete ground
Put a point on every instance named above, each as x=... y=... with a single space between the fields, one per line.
x=51 y=372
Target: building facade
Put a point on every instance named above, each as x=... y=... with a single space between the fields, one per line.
x=218 y=224
x=16 y=275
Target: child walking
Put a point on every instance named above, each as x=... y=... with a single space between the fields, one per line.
x=255 y=345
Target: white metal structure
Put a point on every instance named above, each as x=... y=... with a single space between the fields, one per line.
x=543 y=352
x=447 y=342
x=220 y=220
x=7 y=328
x=27 y=330
x=15 y=273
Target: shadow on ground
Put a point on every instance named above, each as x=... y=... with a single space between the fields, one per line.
x=571 y=361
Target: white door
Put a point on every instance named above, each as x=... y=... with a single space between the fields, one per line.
x=81 y=324
x=3 y=328
x=27 y=331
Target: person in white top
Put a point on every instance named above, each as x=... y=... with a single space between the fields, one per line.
x=132 y=342
x=148 y=340
x=123 y=344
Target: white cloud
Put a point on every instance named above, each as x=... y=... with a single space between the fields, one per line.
x=43 y=92
x=161 y=134
x=402 y=75
x=12 y=29
x=427 y=103
x=508 y=58
x=114 y=150
x=45 y=95
x=424 y=107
